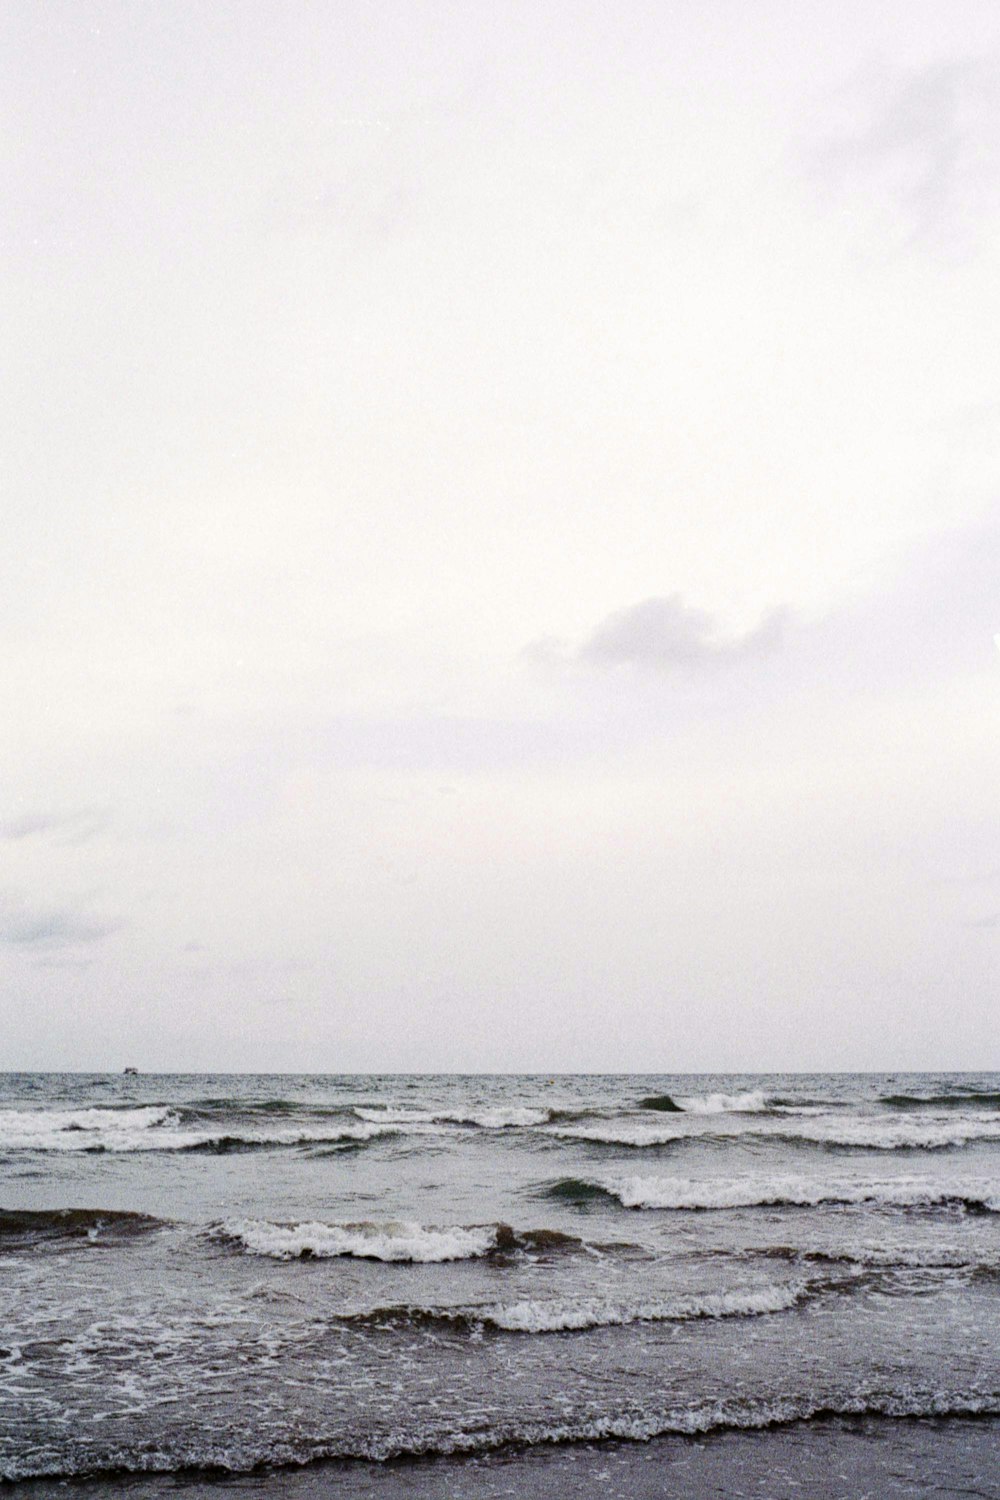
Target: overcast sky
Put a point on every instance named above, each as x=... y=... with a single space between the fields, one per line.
x=500 y=534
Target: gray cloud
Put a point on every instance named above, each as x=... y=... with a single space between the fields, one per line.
x=933 y=617
x=924 y=140
x=65 y=963
x=73 y=827
x=26 y=824
x=667 y=633
x=24 y=924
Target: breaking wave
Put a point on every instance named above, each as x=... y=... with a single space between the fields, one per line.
x=568 y=1315
x=749 y=1102
x=393 y=1241
x=883 y=1257
x=870 y=1133
x=158 y=1128
x=798 y=1192
x=893 y=1135
x=486 y=1119
x=348 y=1136
x=625 y=1134
x=753 y=1102
x=241 y=1455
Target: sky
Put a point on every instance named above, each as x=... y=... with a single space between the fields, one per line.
x=499 y=535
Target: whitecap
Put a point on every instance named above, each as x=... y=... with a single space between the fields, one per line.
x=157 y=1129
x=396 y=1241
x=625 y=1134
x=581 y=1312
x=780 y=1191
x=486 y=1119
x=751 y=1102
x=896 y=1134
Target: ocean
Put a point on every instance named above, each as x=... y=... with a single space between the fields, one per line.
x=500 y=1286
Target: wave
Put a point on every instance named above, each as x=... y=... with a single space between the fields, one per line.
x=226 y=1145
x=882 y=1258
x=198 y=1110
x=85 y=1129
x=485 y=1119
x=751 y=1102
x=693 y=1421
x=227 y=1452
x=392 y=1241
x=637 y=1136
x=892 y=1135
x=581 y=1313
x=871 y=1133
x=21 y=1228
x=795 y=1192
x=158 y=1128
x=983 y=1099
x=365 y=1241
x=570 y=1315
x=570 y=1116
x=576 y=1190
x=96 y=1118
x=783 y=1107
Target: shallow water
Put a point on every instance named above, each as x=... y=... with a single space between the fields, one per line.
x=374 y=1276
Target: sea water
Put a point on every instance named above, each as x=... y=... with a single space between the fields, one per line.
x=484 y=1286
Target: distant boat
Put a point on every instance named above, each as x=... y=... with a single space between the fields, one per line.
x=131 y=1072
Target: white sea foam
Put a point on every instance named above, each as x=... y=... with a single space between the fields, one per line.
x=752 y=1102
x=86 y=1119
x=582 y=1312
x=390 y=1241
x=230 y=1448
x=919 y=1257
x=155 y=1129
x=895 y=1134
x=627 y=1134
x=83 y=1129
x=386 y=1115
x=870 y=1133
x=748 y=1192
x=487 y=1119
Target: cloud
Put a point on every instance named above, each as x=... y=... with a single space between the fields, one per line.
x=30 y=823
x=983 y=923
x=74 y=827
x=666 y=634
x=930 y=618
x=65 y=963
x=923 y=140
x=32 y=927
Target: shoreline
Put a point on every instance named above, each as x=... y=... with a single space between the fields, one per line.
x=822 y=1458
